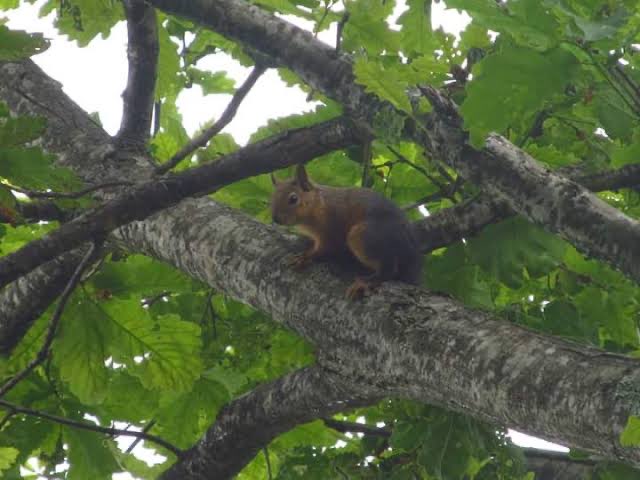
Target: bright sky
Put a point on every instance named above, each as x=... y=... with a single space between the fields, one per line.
x=95 y=78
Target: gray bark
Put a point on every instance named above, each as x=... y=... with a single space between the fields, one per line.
x=22 y=302
x=142 y=53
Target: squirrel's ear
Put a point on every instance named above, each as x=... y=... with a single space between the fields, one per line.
x=274 y=180
x=301 y=178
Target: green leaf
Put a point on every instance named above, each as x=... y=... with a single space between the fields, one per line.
x=28 y=435
x=20 y=130
x=630 y=436
x=405 y=184
x=79 y=350
x=9 y=4
x=169 y=80
x=561 y=317
x=164 y=353
x=83 y=20
x=127 y=400
x=31 y=168
x=140 y=276
x=367 y=27
x=415 y=35
x=529 y=22
x=452 y=272
x=276 y=125
x=617 y=117
x=408 y=435
x=183 y=418
x=626 y=153
x=505 y=250
x=251 y=195
x=16 y=45
x=525 y=79
x=385 y=83
x=222 y=144
x=8 y=456
x=90 y=455
x=216 y=82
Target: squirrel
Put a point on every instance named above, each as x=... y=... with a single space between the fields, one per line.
x=357 y=220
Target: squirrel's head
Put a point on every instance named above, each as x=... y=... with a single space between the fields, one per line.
x=292 y=201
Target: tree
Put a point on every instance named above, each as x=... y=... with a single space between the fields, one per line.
x=145 y=290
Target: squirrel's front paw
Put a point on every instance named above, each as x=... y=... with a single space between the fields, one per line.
x=299 y=261
x=358 y=289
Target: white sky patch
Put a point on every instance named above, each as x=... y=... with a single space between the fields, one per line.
x=524 y=440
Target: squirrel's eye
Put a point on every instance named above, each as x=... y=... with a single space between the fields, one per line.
x=293 y=199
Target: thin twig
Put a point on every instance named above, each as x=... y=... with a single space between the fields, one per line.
x=6 y=418
x=145 y=430
x=53 y=324
x=226 y=117
x=148 y=302
x=157 y=110
x=327 y=9
x=268 y=462
x=343 y=21
x=344 y=427
x=630 y=83
x=87 y=426
x=78 y=194
x=439 y=195
x=367 y=180
x=402 y=159
x=209 y=311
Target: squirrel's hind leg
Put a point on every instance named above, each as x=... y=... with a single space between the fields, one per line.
x=384 y=267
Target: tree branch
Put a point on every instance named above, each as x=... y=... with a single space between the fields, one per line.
x=471 y=217
x=403 y=341
x=501 y=169
x=349 y=427
x=69 y=195
x=556 y=465
x=279 y=151
x=91 y=427
x=249 y=423
x=142 y=53
x=203 y=138
x=22 y=302
x=53 y=324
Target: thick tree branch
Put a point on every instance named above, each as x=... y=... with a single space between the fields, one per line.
x=43 y=210
x=249 y=423
x=403 y=341
x=142 y=53
x=203 y=138
x=22 y=302
x=501 y=169
x=265 y=156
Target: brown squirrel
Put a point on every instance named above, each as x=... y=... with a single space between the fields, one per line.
x=359 y=220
